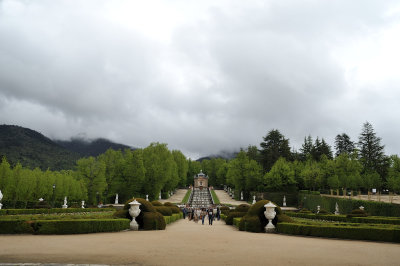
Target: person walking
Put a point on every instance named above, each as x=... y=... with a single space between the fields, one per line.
x=203 y=215
x=218 y=213
x=184 y=211
x=210 y=216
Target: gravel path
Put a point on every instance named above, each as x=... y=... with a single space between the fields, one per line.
x=188 y=243
x=224 y=198
x=177 y=197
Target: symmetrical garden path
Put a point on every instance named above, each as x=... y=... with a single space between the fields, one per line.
x=188 y=243
x=224 y=198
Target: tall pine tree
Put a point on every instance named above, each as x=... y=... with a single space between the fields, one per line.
x=274 y=146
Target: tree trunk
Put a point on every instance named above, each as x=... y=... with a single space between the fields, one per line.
x=337 y=192
x=331 y=192
x=359 y=194
x=344 y=192
x=391 y=197
x=369 y=195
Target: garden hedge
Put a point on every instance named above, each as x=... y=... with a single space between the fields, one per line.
x=343 y=218
x=232 y=215
x=374 y=208
x=254 y=220
x=164 y=210
x=46 y=227
x=359 y=232
x=51 y=211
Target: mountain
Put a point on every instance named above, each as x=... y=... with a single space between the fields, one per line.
x=87 y=148
x=32 y=149
x=227 y=155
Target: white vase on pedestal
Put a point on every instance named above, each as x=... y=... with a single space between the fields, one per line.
x=134 y=211
x=270 y=215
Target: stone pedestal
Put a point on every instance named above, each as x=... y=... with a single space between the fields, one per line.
x=134 y=211
x=254 y=199
x=270 y=215
x=337 y=209
x=284 y=201
x=83 y=204
x=116 y=199
x=65 y=203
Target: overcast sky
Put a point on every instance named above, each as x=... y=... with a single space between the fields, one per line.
x=202 y=76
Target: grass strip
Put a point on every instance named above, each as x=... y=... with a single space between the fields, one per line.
x=215 y=197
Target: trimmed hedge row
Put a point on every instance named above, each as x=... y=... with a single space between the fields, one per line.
x=341 y=231
x=49 y=227
x=347 y=205
x=343 y=218
x=236 y=221
x=232 y=215
x=50 y=211
x=174 y=217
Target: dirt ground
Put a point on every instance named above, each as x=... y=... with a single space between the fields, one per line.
x=188 y=243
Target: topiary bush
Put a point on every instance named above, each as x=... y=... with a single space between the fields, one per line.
x=225 y=210
x=156 y=203
x=164 y=210
x=323 y=211
x=357 y=213
x=42 y=205
x=153 y=221
x=229 y=218
x=254 y=220
x=305 y=210
x=173 y=207
x=242 y=208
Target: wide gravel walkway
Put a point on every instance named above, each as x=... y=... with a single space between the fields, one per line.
x=188 y=243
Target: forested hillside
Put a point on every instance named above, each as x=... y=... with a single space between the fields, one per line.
x=32 y=149
x=87 y=148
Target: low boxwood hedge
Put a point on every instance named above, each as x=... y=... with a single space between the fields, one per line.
x=357 y=232
x=47 y=227
x=51 y=211
x=236 y=221
x=174 y=217
x=344 y=218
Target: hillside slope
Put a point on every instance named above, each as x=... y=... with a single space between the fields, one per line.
x=32 y=149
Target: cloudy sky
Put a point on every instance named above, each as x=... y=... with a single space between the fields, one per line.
x=202 y=76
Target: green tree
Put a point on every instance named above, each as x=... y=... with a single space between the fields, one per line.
x=343 y=144
x=5 y=173
x=193 y=169
x=92 y=172
x=306 y=148
x=281 y=177
x=182 y=165
x=132 y=181
x=312 y=175
x=394 y=174
x=372 y=154
x=348 y=169
x=274 y=146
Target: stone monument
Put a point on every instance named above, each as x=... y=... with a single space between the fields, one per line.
x=337 y=209
x=116 y=199
x=284 y=201
x=147 y=197
x=1 y=197
x=83 y=204
x=159 y=196
x=254 y=199
x=241 y=195
x=65 y=203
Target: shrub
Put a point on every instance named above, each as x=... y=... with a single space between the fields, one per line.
x=153 y=221
x=15 y=227
x=358 y=232
x=254 y=220
x=225 y=210
x=229 y=218
x=242 y=208
x=173 y=207
x=164 y=210
x=156 y=203
x=236 y=221
x=305 y=210
x=42 y=205
x=283 y=218
x=168 y=204
x=323 y=211
x=79 y=226
x=122 y=214
x=357 y=213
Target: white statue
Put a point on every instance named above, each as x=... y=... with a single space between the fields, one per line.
x=41 y=200
x=116 y=198
x=284 y=201
x=254 y=199
x=318 y=209
x=337 y=209
x=362 y=208
x=241 y=195
x=1 y=197
x=83 y=204
x=159 y=196
x=65 y=203
x=147 y=197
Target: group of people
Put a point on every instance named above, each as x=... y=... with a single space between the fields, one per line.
x=197 y=214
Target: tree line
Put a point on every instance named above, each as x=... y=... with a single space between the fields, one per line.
x=359 y=166
x=130 y=173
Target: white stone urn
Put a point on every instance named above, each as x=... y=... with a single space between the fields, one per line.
x=270 y=215
x=83 y=204
x=361 y=207
x=134 y=211
x=41 y=200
